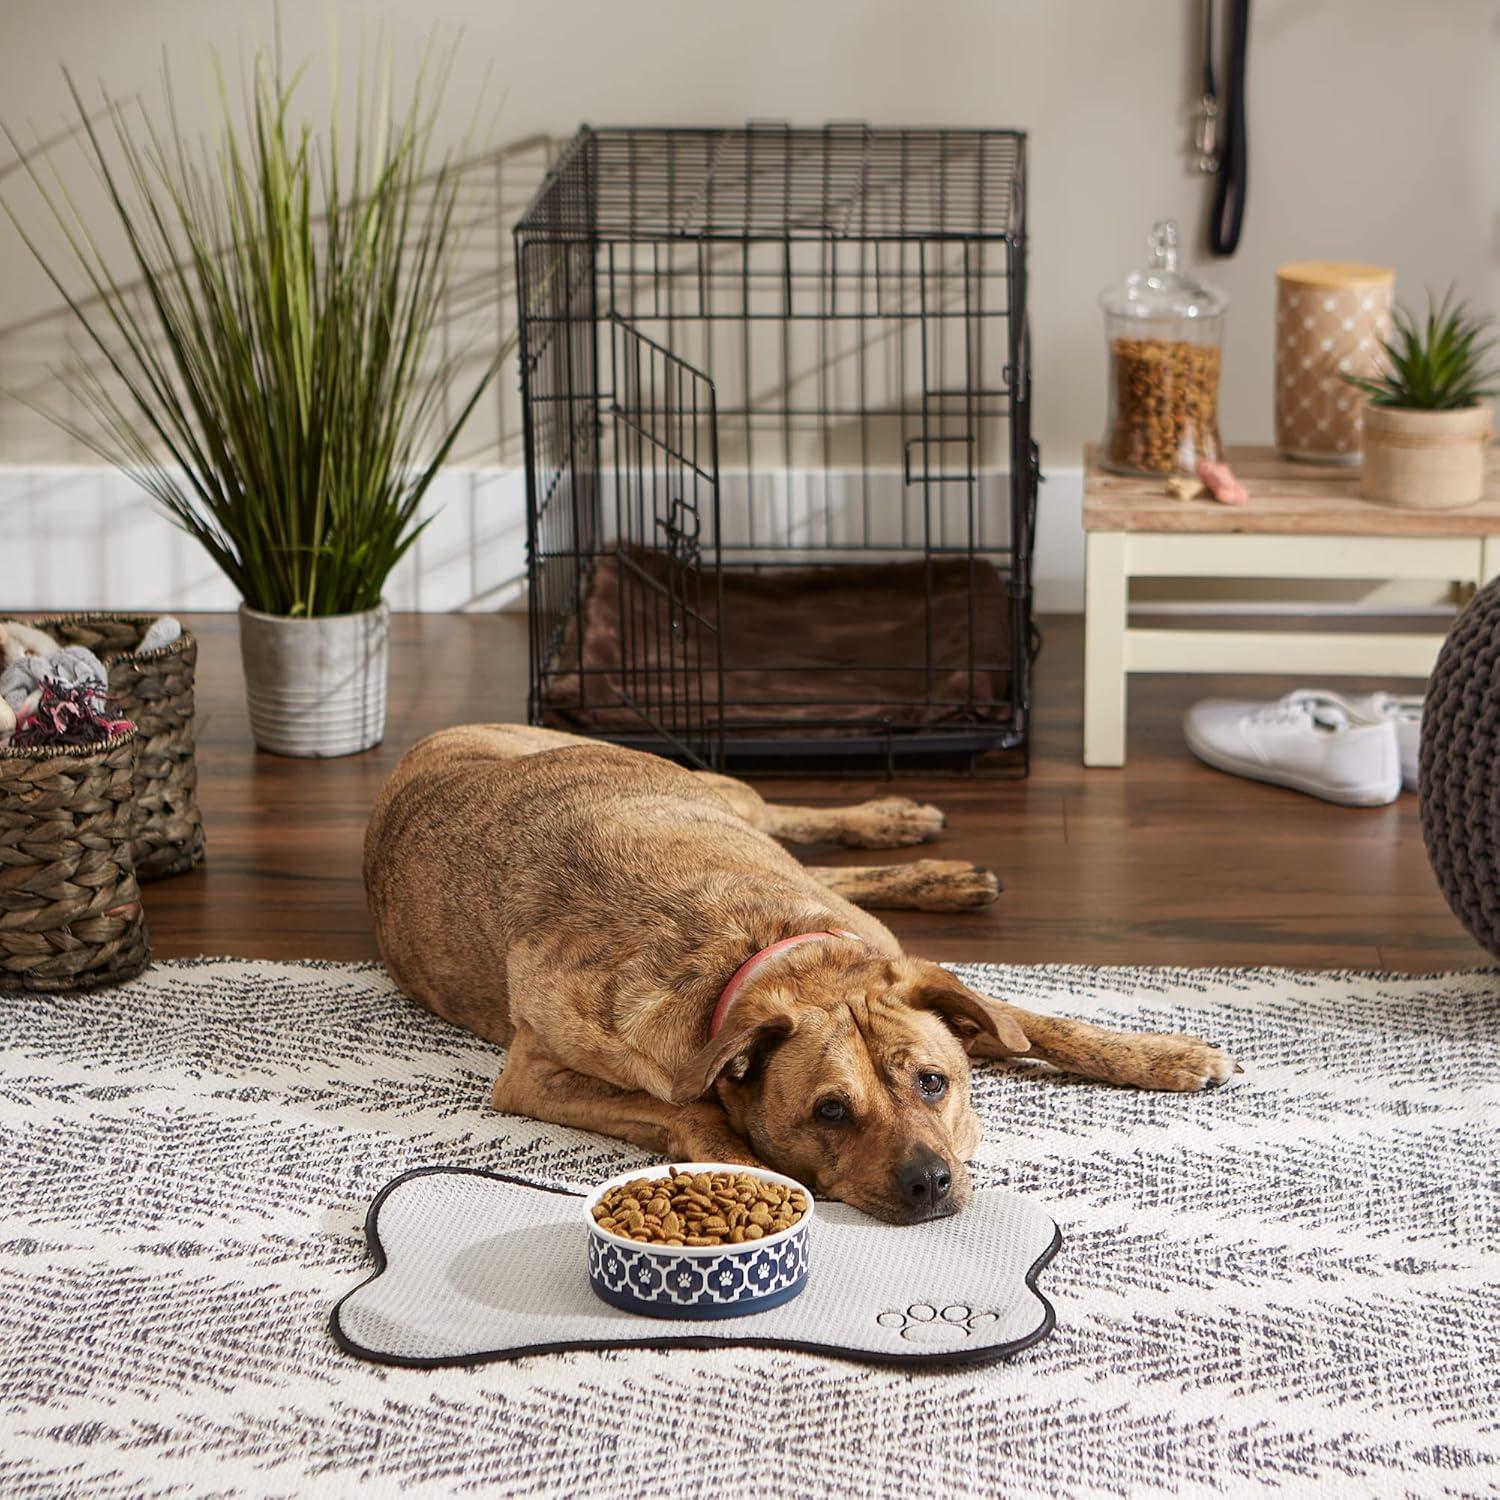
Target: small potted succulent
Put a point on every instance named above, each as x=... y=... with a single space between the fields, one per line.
x=264 y=365
x=1427 y=415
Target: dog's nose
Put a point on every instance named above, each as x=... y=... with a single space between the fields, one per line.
x=924 y=1181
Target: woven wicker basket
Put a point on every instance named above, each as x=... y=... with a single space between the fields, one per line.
x=70 y=909
x=155 y=691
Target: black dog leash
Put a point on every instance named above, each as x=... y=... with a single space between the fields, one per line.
x=1225 y=123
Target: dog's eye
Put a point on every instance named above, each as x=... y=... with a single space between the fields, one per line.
x=932 y=1085
x=831 y=1111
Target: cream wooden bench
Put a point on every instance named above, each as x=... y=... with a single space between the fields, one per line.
x=1303 y=522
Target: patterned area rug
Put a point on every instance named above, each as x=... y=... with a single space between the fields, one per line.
x=1292 y=1283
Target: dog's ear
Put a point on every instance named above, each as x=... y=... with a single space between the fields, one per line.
x=967 y=1012
x=738 y=1053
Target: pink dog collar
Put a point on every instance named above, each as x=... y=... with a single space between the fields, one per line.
x=741 y=975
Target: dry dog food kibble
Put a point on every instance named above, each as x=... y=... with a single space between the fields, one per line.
x=1166 y=404
x=699 y=1208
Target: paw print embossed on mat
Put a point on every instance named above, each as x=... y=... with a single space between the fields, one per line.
x=923 y=1323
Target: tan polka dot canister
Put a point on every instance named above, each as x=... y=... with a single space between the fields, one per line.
x=1331 y=317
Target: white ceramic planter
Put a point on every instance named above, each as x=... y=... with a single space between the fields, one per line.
x=1425 y=460
x=316 y=687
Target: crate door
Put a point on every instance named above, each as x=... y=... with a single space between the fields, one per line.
x=666 y=481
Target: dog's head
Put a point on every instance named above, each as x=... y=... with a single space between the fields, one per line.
x=850 y=1074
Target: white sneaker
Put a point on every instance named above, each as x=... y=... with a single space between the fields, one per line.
x=1313 y=741
x=1407 y=715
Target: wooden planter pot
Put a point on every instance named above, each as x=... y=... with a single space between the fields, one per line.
x=70 y=909
x=155 y=691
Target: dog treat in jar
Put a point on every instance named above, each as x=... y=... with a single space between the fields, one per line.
x=1164 y=330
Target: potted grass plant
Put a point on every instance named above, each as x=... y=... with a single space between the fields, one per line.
x=261 y=362
x=1427 y=415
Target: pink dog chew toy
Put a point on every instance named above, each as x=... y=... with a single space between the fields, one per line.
x=1222 y=484
x=66 y=714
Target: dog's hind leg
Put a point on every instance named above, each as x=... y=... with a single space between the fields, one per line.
x=922 y=885
x=885 y=823
x=536 y=1084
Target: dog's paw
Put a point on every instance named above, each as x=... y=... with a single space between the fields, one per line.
x=893 y=823
x=951 y=885
x=1180 y=1064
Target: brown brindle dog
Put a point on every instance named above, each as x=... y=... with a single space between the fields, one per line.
x=587 y=907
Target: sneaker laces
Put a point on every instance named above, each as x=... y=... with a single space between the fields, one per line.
x=1308 y=705
x=1407 y=710
x=1335 y=710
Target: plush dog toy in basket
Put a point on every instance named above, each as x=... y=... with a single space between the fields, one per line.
x=150 y=665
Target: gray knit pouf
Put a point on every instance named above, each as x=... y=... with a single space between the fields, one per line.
x=1460 y=768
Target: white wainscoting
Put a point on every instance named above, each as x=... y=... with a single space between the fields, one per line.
x=86 y=538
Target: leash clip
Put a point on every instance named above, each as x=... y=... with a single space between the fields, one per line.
x=1206 y=136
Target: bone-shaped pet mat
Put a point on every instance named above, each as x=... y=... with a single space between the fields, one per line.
x=473 y=1266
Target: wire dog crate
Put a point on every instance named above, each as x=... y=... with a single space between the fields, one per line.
x=781 y=485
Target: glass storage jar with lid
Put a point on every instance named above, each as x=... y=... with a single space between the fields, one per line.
x=1164 y=330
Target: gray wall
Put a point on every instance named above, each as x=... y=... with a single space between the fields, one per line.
x=1376 y=123
x=1375 y=136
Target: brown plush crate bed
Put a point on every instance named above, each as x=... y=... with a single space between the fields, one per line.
x=808 y=652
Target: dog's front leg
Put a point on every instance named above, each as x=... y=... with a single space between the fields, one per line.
x=1147 y=1060
x=535 y=1084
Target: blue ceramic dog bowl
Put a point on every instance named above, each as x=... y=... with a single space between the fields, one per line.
x=698 y=1281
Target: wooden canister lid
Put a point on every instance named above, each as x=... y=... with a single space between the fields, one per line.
x=1335 y=273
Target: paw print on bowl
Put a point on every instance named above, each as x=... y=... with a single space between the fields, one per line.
x=725 y=1277
x=644 y=1277
x=765 y=1272
x=609 y=1263
x=683 y=1279
x=947 y=1326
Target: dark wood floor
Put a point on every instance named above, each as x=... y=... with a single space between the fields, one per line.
x=1163 y=862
